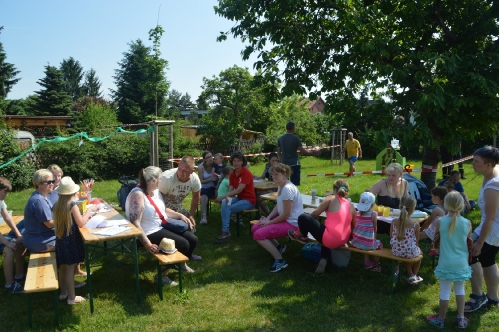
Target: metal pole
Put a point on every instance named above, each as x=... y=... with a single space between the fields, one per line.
x=156 y=145
x=171 y=145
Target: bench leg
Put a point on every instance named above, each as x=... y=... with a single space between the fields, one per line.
x=136 y=263
x=237 y=223
x=160 y=283
x=30 y=318
x=89 y=279
x=392 y=275
x=180 y=277
x=56 y=298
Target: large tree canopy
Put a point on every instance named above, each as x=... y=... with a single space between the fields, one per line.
x=433 y=62
x=234 y=104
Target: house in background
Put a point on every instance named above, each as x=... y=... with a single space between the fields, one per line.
x=316 y=106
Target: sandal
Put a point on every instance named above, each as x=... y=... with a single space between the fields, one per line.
x=480 y=300
x=492 y=303
x=377 y=268
x=196 y=258
x=78 y=299
x=413 y=280
x=461 y=322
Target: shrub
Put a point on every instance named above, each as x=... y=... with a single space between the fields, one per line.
x=19 y=172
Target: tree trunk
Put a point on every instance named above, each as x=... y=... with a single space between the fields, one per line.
x=431 y=157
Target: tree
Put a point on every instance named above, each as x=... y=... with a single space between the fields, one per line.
x=431 y=61
x=176 y=103
x=72 y=74
x=294 y=109
x=8 y=73
x=134 y=81
x=234 y=104
x=92 y=86
x=158 y=84
x=53 y=98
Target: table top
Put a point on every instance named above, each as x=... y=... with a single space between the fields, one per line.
x=88 y=237
x=307 y=200
x=4 y=228
x=265 y=185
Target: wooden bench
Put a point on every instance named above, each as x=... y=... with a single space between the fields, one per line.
x=42 y=277
x=383 y=253
x=386 y=253
x=167 y=261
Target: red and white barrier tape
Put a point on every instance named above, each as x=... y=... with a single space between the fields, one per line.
x=423 y=169
x=176 y=160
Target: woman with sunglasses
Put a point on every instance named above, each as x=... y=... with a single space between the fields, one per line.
x=39 y=235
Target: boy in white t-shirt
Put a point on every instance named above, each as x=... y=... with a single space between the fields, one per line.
x=11 y=247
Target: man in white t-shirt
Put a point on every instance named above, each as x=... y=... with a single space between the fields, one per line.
x=179 y=182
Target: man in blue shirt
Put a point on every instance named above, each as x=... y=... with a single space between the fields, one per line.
x=454 y=178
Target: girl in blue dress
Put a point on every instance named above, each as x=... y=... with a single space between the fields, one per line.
x=69 y=243
x=453 y=266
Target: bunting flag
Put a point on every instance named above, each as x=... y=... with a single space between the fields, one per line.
x=81 y=136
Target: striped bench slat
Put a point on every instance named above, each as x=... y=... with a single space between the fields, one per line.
x=42 y=273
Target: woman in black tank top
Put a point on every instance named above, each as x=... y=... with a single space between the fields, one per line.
x=389 y=191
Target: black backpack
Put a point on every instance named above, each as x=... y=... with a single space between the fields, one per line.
x=127 y=184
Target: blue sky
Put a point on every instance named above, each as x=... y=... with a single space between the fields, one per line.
x=97 y=32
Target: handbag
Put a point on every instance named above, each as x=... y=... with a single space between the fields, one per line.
x=174 y=225
x=435 y=245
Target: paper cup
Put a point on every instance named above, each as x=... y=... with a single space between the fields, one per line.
x=229 y=200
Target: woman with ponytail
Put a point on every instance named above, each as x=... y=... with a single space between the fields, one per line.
x=453 y=266
x=404 y=238
x=336 y=230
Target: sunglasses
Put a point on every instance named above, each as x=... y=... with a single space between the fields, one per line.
x=49 y=182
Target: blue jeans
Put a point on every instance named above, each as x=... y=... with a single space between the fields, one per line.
x=295 y=175
x=236 y=206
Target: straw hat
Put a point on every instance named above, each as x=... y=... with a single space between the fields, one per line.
x=67 y=186
x=167 y=246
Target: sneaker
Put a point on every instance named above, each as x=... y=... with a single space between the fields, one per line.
x=187 y=269
x=282 y=248
x=462 y=322
x=223 y=236
x=296 y=235
x=203 y=221
x=278 y=265
x=321 y=267
x=435 y=320
x=166 y=281
x=15 y=288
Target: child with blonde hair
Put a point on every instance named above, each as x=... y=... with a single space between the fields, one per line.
x=404 y=238
x=69 y=244
x=453 y=266
x=364 y=233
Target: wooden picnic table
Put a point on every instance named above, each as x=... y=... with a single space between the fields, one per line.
x=307 y=200
x=93 y=241
x=4 y=228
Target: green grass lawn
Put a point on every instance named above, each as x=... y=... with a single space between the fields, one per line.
x=232 y=289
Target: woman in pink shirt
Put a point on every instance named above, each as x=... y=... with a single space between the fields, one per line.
x=336 y=230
